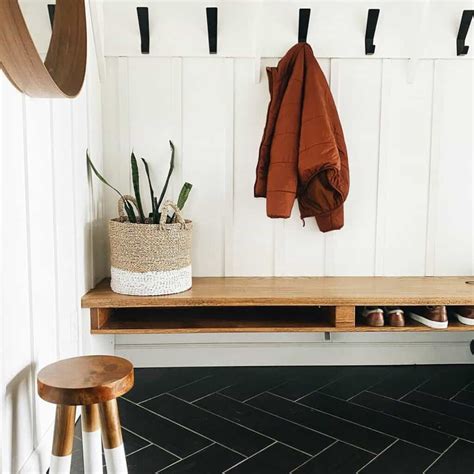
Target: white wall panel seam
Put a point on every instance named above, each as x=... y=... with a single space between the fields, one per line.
x=431 y=215
x=177 y=107
x=382 y=164
x=76 y=243
x=229 y=169
x=55 y=227
x=123 y=91
x=29 y=278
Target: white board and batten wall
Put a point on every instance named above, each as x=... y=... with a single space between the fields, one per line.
x=51 y=222
x=407 y=113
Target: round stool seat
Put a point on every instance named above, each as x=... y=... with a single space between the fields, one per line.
x=85 y=380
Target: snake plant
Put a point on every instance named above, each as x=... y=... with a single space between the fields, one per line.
x=154 y=215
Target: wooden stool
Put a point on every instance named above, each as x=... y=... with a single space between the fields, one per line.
x=95 y=383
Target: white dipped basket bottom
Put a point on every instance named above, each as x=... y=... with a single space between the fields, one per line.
x=150 y=259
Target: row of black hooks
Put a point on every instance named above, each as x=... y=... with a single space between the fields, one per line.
x=303 y=25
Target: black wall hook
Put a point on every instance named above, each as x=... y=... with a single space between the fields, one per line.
x=211 y=15
x=461 y=46
x=51 y=10
x=372 y=18
x=144 y=25
x=303 y=24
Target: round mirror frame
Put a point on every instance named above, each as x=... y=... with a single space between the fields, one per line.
x=62 y=73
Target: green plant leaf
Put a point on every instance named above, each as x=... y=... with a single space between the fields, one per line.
x=184 y=194
x=170 y=172
x=154 y=213
x=136 y=186
x=128 y=208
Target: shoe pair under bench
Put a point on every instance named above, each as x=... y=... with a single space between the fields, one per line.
x=435 y=317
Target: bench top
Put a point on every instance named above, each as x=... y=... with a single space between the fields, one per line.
x=298 y=291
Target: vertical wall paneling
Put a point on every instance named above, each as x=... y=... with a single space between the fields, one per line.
x=150 y=119
x=451 y=212
x=229 y=168
x=204 y=164
x=51 y=223
x=404 y=169
x=40 y=190
x=252 y=230
x=17 y=386
x=356 y=86
x=176 y=118
x=65 y=228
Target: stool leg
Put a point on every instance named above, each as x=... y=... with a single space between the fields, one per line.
x=112 y=438
x=63 y=439
x=91 y=442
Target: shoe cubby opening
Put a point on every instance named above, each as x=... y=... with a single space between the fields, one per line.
x=410 y=324
x=213 y=320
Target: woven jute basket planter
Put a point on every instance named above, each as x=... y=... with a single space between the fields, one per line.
x=150 y=259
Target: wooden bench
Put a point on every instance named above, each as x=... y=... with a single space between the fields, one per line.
x=273 y=304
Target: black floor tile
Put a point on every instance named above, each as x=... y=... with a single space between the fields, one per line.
x=459 y=459
x=401 y=458
x=441 y=405
x=470 y=387
x=465 y=397
x=357 y=380
x=308 y=382
x=340 y=458
x=256 y=381
x=160 y=431
x=218 y=429
x=381 y=422
x=212 y=460
x=276 y=428
x=151 y=382
x=335 y=427
x=132 y=442
x=277 y=459
x=449 y=380
x=403 y=380
x=428 y=418
x=149 y=460
x=206 y=386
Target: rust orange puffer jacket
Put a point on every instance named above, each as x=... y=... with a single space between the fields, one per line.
x=303 y=154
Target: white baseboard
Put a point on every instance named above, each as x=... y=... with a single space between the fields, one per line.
x=305 y=350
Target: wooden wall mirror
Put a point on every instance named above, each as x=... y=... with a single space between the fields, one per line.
x=62 y=73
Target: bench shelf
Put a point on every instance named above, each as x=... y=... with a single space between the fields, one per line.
x=279 y=304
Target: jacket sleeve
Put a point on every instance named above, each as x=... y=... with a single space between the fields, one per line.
x=282 y=184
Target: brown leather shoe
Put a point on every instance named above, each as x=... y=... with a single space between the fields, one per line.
x=395 y=316
x=464 y=314
x=373 y=316
x=435 y=317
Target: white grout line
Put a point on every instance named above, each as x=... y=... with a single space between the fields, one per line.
x=459 y=391
x=307 y=427
x=151 y=442
x=186 y=457
x=313 y=457
x=382 y=413
x=334 y=416
x=204 y=396
x=381 y=452
x=140 y=449
x=250 y=457
x=455 y=418
x=176 y=388
x=244 y=426
x=442 y=454
x=186 y=428
x=448 y=400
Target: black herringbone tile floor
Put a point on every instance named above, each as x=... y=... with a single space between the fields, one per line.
x=258 y=420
